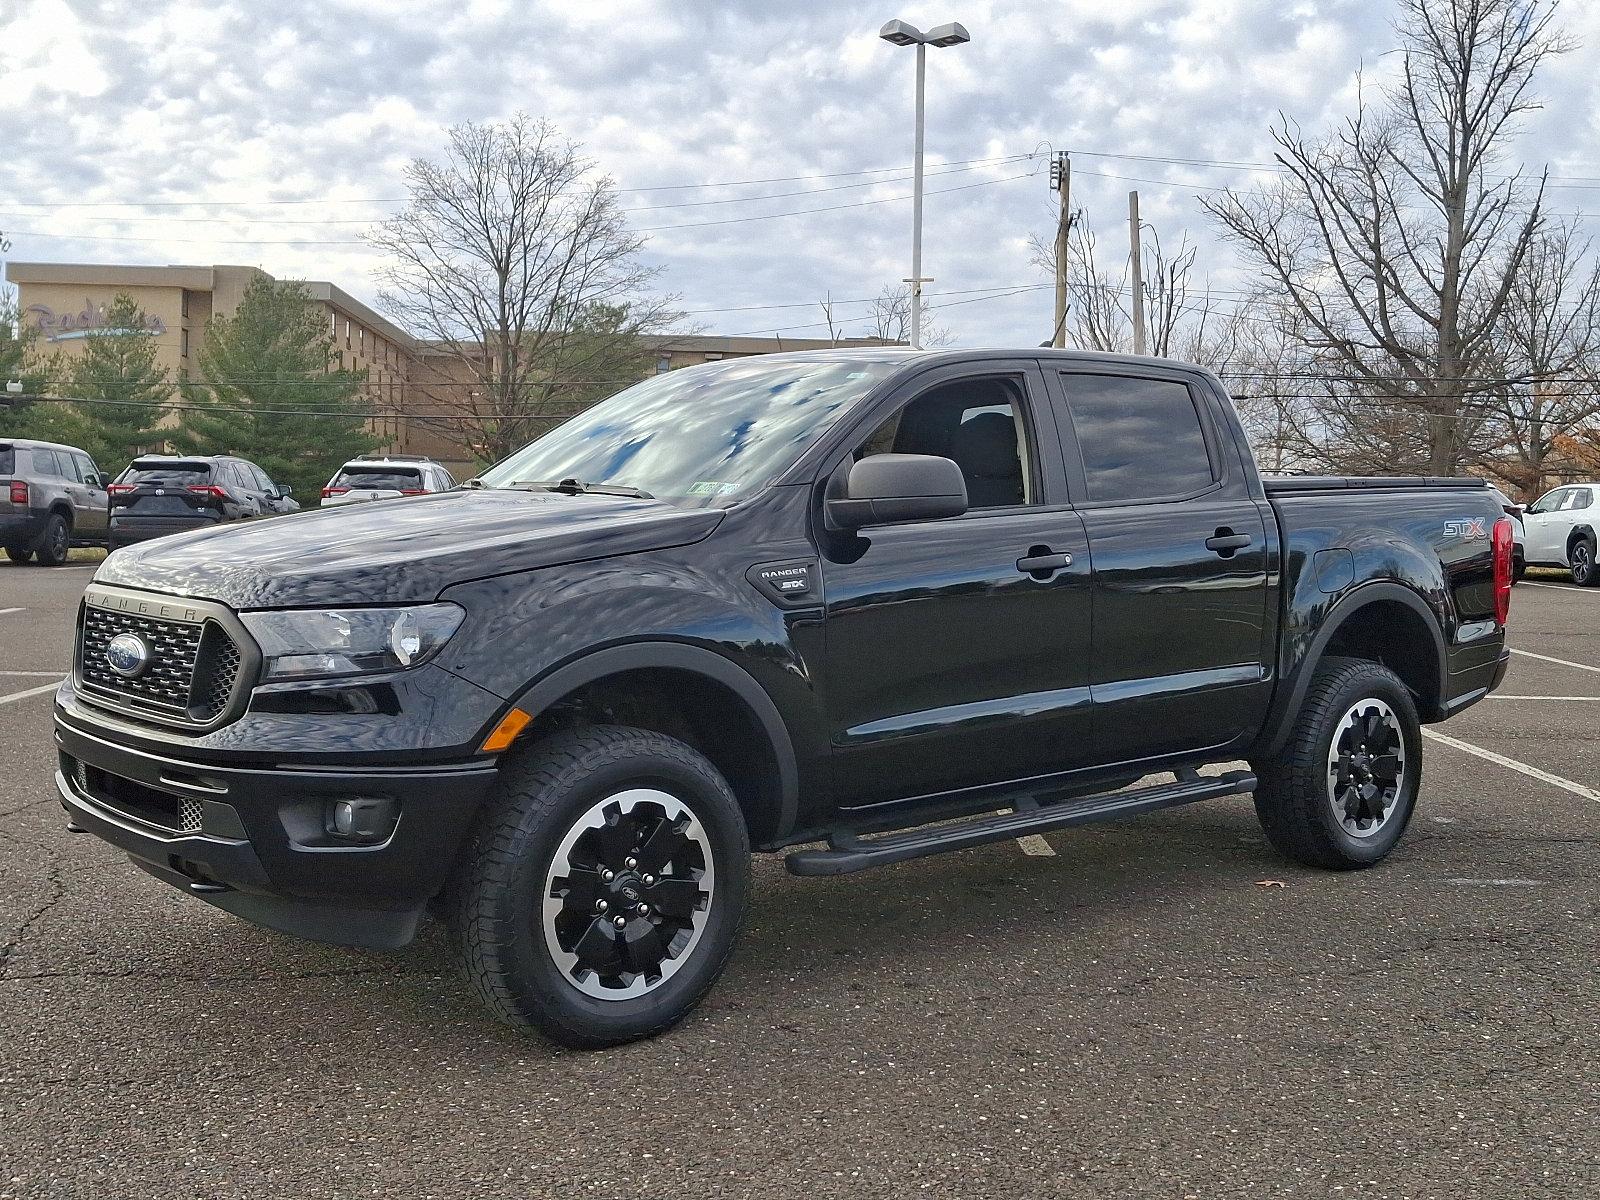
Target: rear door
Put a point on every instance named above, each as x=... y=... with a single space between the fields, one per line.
x=89 y=497
x=160 y=490
x=379 y=482
x=1180 y=562
x=951 y=664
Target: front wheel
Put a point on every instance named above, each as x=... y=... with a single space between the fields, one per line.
x=1341 y=791
x=1581 y=558
x=604 y=887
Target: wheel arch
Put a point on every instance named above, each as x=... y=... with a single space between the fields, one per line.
x=1577 y=532
x=1381 y=622
x=694 y=694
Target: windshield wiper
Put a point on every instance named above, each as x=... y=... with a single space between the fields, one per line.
x=576 y=487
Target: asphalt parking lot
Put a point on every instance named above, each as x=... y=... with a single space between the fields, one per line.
x=1157 y=1008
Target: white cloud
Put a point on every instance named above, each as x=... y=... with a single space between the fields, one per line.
x=325 y=101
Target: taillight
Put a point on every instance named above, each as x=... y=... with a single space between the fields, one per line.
x=120 y=489
x=413 y=492
x=19 y=492
x=209 y=490
x=1502 y=569
x=333 y=491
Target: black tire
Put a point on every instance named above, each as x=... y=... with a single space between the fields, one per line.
x=1295 y=794
x=1519 y=568
x=495 y=906
x=21 y=555
x=54 y=541
x=1582 y=562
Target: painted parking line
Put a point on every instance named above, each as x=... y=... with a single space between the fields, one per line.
x=1034 y=844
x=1560 y=587
x=1560 y=662
x=1566 y=785
x=38 y=674
x=38 y=691
x=4 y=611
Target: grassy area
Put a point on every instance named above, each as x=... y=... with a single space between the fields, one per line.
x=86 y=554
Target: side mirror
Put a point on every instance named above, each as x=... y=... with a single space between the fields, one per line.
x=284 y=489
x=886 y=488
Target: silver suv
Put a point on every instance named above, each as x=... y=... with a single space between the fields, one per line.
x=383 y=477
x=52 y=497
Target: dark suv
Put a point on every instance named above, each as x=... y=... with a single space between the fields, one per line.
x=52 y=497
x=160 y=494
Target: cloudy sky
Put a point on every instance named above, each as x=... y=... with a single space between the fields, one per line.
x=240 y=131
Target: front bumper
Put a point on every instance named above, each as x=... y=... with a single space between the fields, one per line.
x=253 y=840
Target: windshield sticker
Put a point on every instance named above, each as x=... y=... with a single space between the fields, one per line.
x=711 y=487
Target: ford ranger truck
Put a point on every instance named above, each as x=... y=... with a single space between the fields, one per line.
x=860 y=606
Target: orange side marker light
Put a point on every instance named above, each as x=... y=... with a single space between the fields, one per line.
x=513 y=723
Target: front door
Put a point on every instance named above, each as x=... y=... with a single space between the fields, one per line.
x=1548 y=521
x=951 y=663
x=1180 y=554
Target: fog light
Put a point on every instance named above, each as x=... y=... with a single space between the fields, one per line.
x=363 y=818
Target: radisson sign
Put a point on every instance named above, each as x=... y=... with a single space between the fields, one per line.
x=58 y=327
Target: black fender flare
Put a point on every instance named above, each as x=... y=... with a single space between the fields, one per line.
x=1577 y=531
x=680 y=656
x=1360 y=597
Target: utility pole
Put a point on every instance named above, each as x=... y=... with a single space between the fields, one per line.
x=1061 y=181
x=1138 y=273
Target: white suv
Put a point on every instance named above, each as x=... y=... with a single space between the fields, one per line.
x=382 y=477
x=1560 y=527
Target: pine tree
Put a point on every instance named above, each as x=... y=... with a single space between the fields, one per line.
x=267 y=389
x=20 y=360
x=124 y=391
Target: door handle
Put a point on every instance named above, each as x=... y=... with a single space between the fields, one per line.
x=1041 y=564
x=1225 y=541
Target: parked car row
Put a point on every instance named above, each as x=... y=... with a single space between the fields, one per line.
x=53 y=497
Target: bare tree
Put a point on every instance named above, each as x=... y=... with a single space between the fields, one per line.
x=1178 y=318
x=889 y=319
x=514 y=258
x=1550 y=340
x=1392 y=238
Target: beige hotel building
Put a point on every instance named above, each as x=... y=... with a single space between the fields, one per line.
x=65 y=302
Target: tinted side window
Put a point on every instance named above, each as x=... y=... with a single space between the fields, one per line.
x=1141 y=439
x=8 y=460
x=979 y=423
x=1580 y=498
x=85 y=466
x=44 y=462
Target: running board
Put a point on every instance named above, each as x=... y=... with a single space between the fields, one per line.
x=847 y=852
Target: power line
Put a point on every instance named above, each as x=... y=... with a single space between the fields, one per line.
x=800 y=212
x=662 y=187
x=320 y=222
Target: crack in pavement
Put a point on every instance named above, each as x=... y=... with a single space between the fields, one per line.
x=58 y=893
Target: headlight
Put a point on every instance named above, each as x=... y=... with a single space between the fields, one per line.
x=317 y=643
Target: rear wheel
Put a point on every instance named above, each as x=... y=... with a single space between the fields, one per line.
x=19 y=554
x=1581 y=558
x=54 y=542
x=600 y=898
x=1519 y=567
x=1342 y=790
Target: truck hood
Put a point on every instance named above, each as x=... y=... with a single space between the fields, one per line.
x=398 y=551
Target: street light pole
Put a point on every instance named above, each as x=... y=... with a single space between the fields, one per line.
x=903 y=34
x=916 y=207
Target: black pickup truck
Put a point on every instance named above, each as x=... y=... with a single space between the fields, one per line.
x=876 y=604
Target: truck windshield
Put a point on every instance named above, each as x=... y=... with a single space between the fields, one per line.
x=698 y=435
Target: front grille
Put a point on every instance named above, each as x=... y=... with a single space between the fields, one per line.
x=190 y=676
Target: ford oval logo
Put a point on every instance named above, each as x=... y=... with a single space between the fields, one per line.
x=128 y=654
